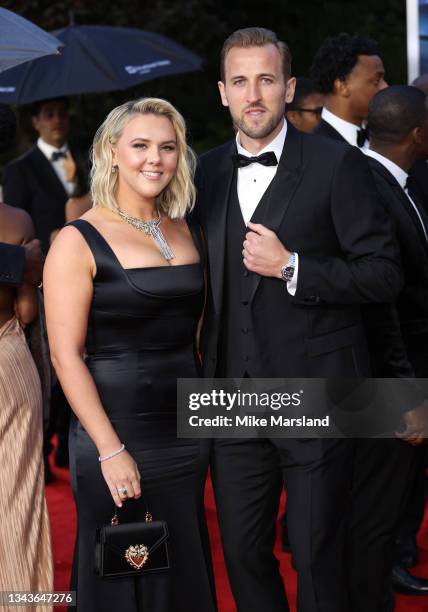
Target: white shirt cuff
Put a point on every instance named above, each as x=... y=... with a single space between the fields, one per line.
x=292 y=285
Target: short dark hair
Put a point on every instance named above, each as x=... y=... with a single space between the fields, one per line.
x=304 y=87
x=36 y=107
x=336 y=58
x=256 y=37
x=7 y=127
x=395 y=111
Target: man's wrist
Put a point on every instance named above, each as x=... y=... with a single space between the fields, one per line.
x=289 y=268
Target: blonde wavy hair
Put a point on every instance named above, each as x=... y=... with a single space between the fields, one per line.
x=179 y=195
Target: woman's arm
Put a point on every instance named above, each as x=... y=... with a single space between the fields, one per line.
x=68 y=288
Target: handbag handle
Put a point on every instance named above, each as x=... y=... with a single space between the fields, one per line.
x=115 y=519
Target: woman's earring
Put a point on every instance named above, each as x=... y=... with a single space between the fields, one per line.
x=113 y=169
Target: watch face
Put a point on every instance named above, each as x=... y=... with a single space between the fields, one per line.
x=287 y=273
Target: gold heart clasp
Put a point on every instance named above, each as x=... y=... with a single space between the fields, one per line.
x=137 y=555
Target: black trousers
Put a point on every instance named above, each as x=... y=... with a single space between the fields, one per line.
x=247 y=477
x=383 y=471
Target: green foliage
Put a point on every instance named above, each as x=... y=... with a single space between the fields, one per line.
x=202 y=26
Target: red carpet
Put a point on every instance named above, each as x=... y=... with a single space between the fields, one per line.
x=61 y=510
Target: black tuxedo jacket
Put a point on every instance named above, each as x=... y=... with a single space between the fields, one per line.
x=406 y=322
x=323 y=205
x=327 y=130
x=12 y=262
x=419 y=171
x=30 y=182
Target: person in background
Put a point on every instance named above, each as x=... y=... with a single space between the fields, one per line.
x=304 y=112
x=349 y=71
x=419 y=170
x=40 y=182
x=26 y=561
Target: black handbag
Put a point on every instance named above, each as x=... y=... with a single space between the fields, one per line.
x=131 y=549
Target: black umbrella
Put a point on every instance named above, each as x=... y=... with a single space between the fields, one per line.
x=21 y=41
x=96 y=59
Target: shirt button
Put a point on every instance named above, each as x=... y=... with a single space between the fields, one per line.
x=245 y=302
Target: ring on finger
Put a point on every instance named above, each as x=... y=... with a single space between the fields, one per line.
x=123 y=491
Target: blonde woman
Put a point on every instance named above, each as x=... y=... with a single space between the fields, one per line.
x=130 y=299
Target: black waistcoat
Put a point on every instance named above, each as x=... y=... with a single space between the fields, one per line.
x=238 y=352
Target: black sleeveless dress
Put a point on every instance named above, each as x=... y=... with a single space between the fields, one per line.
x=140 y=339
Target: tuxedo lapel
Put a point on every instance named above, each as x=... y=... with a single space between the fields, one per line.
x=283 y=187
x=216 y=224
x=46 y=175
x=327 y=130
x=408 y=215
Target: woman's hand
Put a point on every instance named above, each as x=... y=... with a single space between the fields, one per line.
x=122 y=477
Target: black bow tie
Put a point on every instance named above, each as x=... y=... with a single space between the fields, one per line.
x=362 y=136
x=266 y=159
x=56 y=155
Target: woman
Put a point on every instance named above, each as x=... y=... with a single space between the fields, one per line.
x=25 y=544
x=131 y=300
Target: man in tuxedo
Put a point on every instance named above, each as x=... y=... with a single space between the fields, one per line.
x=42 y=180
x=289 y=266
x=304 y=111
x=398 y=124
x=419 y=170
x=349 y=71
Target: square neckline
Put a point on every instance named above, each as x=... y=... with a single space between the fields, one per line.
x=168 y=266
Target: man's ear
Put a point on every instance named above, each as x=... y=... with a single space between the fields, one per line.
x=290 y=89
x=340 y=87
x=35 y=122
x=222 y=91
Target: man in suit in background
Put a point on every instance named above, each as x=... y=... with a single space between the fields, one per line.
x=419 y=170
x=304 y=111
x=349 y=71
x=42 y=180
x=398 y=124
x=289 y=266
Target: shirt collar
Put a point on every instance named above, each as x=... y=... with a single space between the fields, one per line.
x=347 y=130
x=398 y=173
x=276 y=145
x=48 y=149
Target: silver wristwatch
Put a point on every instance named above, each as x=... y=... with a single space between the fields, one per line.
x=287 y=271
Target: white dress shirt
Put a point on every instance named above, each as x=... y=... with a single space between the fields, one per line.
x=58 y=165
x=253 y=180
x=400 y=176
x=347 y=130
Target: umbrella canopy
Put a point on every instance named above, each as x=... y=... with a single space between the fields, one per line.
x=21 y=41
x=96 y=59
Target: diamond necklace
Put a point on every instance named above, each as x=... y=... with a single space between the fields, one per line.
x=149 y=228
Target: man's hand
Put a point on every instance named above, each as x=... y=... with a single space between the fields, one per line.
x=263 y=252
x=34 y=259
x=416 y=423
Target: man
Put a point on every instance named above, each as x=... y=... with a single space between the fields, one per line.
x=304 y=111
x=398 y=123
x=283 y=301
x=42 y=180
x=349 y=71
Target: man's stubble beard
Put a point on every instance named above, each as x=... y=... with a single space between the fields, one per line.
x=260 y=132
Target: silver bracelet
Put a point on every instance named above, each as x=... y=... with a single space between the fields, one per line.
x=121 y=449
